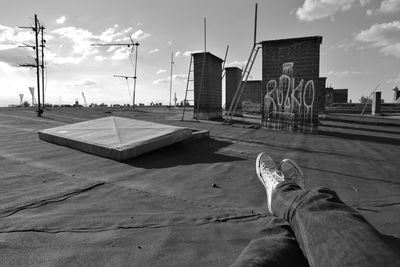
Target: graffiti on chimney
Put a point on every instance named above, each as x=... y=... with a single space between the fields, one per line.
x=286 y=105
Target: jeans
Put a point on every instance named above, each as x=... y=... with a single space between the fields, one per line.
x=315 y=228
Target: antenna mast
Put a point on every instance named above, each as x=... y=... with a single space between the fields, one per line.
x=133 y=44
x=255 y=25
x=42 y=65
x=126 y=78
x=205 y=35
x=36 y=30
x=170 y=80
x=135 y=76
x=40 y=111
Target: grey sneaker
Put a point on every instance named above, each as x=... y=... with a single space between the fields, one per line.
x=268 y=175
x=292 y=171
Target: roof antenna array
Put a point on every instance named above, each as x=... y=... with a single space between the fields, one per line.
x=134 y=65
x=37 y=29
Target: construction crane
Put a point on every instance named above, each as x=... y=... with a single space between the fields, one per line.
x=84 y=100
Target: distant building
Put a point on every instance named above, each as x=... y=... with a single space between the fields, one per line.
x=250 y=100
x=328 y=96
x=335 y=96
x=340 y=95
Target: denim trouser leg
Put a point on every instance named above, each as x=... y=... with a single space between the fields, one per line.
x=277 y=247
x=329 y=232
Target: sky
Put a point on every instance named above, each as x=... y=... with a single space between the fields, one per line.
x=360 y=47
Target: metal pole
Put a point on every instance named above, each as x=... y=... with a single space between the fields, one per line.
x=255 y=25
x=170 y=80
x=223 y=65
x=37 y=65
x=134 y=77
x=226 y=54
x=42 y=28
x=205 y=35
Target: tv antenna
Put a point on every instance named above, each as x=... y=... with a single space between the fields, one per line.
x=37 y=29
x=170 y=79
x=134 y=65
x=129 y=91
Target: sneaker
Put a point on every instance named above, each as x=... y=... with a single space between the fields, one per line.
x=268 y=175
x=292 y=171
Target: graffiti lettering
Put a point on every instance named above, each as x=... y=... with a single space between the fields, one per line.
x=286 y=104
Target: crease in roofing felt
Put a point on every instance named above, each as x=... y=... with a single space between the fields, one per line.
x=43 y=202
x=235 y=219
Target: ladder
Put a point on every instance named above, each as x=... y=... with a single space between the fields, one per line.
x=223 y=65
x=242 y=83
x=190 y=79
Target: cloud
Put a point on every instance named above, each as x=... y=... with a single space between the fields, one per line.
x=318 y=9
x=346 y=73
x=175 y=77
x=140 y=35
x=61 y=20
x=11 y=38
x=76 y=43
x=169 y=43
x=177 y=54
x=395 y=80
x=69 y=45
x=100 y=58
x=13 y=81
x=153 y=51
x=387 y=7
x=344 y=45
x=6 y=69
x=161 y=71
x=364 y=2
x=109 y=34
x=385 y=36
x=86 y=83
x=236 y=64
x=112 y=48
x=188 y=53
x=52 y=58
x=7 y=46
x=121 y=53
x=16 y=56
x=79 y=38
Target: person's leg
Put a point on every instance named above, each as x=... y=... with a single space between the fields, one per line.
x=328 y=232
x=277 y=247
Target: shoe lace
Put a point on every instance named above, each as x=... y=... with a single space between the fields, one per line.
x=277 y=175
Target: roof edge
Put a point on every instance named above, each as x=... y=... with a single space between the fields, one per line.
x=316 y=38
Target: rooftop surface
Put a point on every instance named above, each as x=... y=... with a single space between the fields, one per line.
x=60 y=206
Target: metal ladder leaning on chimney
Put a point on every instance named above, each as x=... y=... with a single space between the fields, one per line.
x=191 y=80
x=242 y=83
